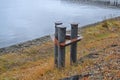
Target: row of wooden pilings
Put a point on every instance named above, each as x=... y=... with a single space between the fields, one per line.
x=62 y=40
x=115 y=3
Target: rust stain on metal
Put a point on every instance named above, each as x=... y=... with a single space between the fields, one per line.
x=68 y=41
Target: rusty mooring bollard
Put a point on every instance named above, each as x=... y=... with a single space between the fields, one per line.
x=61 y=43
x=55 y=42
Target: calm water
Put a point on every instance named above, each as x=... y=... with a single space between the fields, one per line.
x=22 y=20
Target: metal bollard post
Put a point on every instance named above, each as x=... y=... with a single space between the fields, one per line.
x=56 y=46
x=61 y=49
x=73 y=50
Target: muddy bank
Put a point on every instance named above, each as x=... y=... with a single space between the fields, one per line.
x=41 y=40
x=21 y=46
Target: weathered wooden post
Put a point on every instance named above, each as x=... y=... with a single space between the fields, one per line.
x=116 y=2
x=56 y=46
x=73 y=50
x=61 y=49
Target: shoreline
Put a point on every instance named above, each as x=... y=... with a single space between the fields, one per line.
x=41 y=40
x=23 y=45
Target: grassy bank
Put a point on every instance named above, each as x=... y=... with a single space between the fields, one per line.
x=98 y=53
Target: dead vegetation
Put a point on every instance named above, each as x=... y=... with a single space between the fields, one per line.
x=98 y=55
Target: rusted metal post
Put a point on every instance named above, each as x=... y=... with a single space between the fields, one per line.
x=56 y=46
x=61 y=49
x=73 y=50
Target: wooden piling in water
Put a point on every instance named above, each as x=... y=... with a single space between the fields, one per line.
x=61 y=49
x=73 y=50
x=56 y=46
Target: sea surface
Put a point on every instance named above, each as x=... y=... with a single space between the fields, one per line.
x=22 y=20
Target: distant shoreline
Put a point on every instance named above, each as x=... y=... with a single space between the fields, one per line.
x=97 y=3
x=39 y=41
